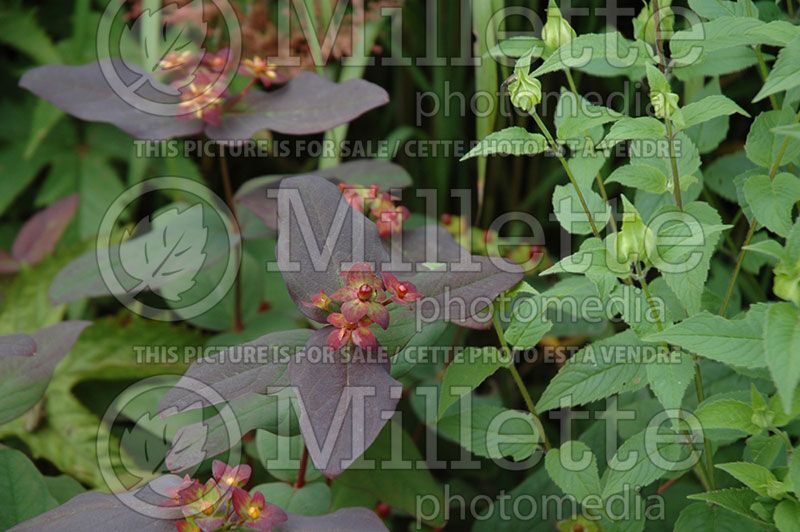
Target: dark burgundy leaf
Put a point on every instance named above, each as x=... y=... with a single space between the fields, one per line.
x=344 y=520
x=105 y=511
x=454 y=290
x=387 y=175
x=342 y=430
x=23 y=379
x=310 y=251
x=17 y=345
x=84 y=92
x=308 y=104
x=231 y=374
x=39 y=236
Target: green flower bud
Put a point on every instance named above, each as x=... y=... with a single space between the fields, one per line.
x=787 y=282
x=525 y=90
x=644 y=25
x=556 y=31
x=635 y=240
x=665 y=104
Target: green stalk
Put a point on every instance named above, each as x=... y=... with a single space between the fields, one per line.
x=676 y=183
x=151 y=31
x=571 y=177
x=523 y=390
x=752 y=229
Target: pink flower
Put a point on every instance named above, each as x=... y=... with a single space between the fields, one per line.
x=357 y=196
x=320 y=301
x=230 y=476
x=260 y=69
x=362 y=296
x=401 y=292
x=255 y=512
x=388 y=217
x=345 y=331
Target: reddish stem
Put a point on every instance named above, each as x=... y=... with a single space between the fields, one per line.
x=301 y=473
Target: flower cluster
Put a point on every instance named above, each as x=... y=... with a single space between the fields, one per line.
x=197 y=79
x=488 y=242
x=361 y=301
x=379 y=207
x=221 y=503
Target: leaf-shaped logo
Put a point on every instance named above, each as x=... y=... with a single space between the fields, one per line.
x=146 y=49
x=169 y=257
x=147 y=440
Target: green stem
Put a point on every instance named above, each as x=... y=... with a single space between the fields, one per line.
x=523 y=390
x=571 y=82
x=571 y=177
x=752 y=229
x=676 y=183
x=238 y=322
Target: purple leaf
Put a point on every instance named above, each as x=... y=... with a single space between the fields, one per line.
x=84 y=92
x=317 y=235
x=23 y=379
x=236 y=375
x=253 y=194
x=40 y=234
x=306 y=105
x=343 y=403
x=102 y=511
x=17 y=345
x=454 y=290
x=344 y=520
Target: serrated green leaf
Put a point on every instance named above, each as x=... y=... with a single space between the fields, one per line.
x=787 y=516
x=601 y=369
x=640 y=176
x=669 y=379
x=492 y=432
x=784 y=74
x=735 y=342
x=728 y=414
x=781 y=348
x=509 y=141
x=640 y=128
x=763 y=147
x=709 y=108
x=569 y=468
x=737 y=500
x=644 y=458
x=570 y=213
x=527 y=327
x=467 y=370
x=757 y=478
x=699 y=516
x=772 y=200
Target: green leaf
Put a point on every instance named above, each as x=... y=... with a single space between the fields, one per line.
x=599 y=54
x=791 y=131
x=468 y=369
x=793 y=476
x=570 y=213
x=708 y=135
x=737 y=500
x=627 y=128
x=397 y=484
x=21 y=30
x=509 y=141
x=576 y=116
x=784 y=74
x=709 y=108
x=787 y=516
x=280 y=456
x=528 y=323
x=768 y=248
x=757 y=478
x=311 y=499
x=656 y=80
x=644 y=458
x=640 y=176
x=23 y=492
x=772 y=200
x=699 y=516
x=763 y=146
x=781 y=349
x=733 y=342
x=669 y=378
x=685 y=243
x=63 y=487
x=601 y=369
x=573 y=468
x=727 y=414
x=492 y=432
